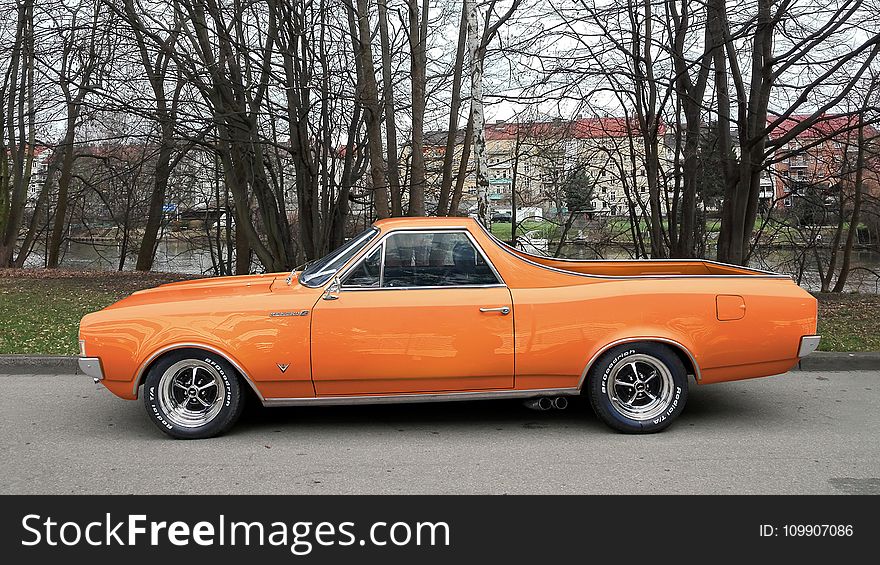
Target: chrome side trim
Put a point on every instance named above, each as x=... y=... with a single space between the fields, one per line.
x=809 y=344
x=91 y=366
x=407 y=288
x=167 y=348
x=409 y=398
x=523 y=256
x=381 y=243
x=592 y=360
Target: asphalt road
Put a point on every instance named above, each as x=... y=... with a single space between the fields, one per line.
x=804 y=432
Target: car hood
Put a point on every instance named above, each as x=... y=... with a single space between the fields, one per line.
x=203 y=288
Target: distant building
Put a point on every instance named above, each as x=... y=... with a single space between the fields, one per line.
x=39 y=170
x=611 y=152
x=543 y=155
x=822 y=156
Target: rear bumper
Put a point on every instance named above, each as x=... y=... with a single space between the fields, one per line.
x=809 y=344
x=91 y=366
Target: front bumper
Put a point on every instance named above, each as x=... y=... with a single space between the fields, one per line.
x=809 y=344
x=91 y=366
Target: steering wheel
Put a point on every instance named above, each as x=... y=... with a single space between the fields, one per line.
x=369 y=271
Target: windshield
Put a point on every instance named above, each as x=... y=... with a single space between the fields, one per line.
x=323 y=269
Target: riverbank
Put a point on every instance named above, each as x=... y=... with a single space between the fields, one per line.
x=40 y=309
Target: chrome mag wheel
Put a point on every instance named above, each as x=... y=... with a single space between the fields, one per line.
x=191 y=393
x=640 y=387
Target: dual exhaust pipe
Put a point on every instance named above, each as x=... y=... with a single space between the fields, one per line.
x=547 y=403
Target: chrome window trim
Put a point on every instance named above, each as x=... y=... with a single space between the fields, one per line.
x=192 y=345
x=697 y=374
x=410 y=398
x=381 y=266
x=382 y=243
x=463 y=286
x=524 y=256
x=371 y=233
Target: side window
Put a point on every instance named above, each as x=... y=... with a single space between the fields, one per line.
x=434 y=259
x=366 y=274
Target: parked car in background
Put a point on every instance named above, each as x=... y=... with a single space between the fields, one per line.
x=437 y=309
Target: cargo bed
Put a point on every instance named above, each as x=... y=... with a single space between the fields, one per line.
x=643 y=267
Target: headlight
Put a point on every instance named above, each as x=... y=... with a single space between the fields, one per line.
x=82 y=348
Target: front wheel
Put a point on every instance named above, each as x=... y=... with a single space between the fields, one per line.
x=192 y=394
x=638 y=387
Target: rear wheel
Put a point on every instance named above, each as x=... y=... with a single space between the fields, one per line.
x=192 y=394
x=638 y=387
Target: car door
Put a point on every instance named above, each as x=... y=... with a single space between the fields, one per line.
x=423 y=311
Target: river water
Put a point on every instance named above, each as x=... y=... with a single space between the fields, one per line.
x=173 y=256
x=191 y=256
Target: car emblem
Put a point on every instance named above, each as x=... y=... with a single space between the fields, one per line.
x=286 y=314
x=283 y=366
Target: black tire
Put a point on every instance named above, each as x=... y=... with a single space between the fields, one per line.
x=655 y=401
x=205 y=406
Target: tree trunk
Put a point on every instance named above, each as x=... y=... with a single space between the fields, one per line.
x=418 y=28
x=690 y=95
x=155 y=211
x=476 y=68
x=393 y=169
x=513 y=183
x=368 y=95
x=454 y=109
x=20 y=115
x=462 y=167
x=716 y=18
x=53 y=250
x=648 y=123
x=852 y=234
x=33 y=230
x=156 y=72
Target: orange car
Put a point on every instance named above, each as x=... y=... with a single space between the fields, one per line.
x=437 y=309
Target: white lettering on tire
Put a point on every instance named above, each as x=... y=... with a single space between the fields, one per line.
x=610 y=365
x=225 y=379
x=672 y=406
x=155 y=407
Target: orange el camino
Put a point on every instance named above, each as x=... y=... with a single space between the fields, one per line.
x=437 y=309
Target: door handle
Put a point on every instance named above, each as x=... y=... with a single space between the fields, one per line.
x=503 y=309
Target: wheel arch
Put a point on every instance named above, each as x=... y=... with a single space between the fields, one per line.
x=157 y=355
x=683 y=353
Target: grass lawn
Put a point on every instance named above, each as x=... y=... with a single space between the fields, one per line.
x=40 y=310
x=548 y=230
x=849 y=322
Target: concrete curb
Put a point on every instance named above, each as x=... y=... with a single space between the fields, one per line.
x=59 y=364
x=39 y=365
x=841 y=361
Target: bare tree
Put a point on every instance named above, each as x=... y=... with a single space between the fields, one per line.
x=478 y=43
x=84 y=53
x=368 y=95
x=783 y=44
x=157 y=66
x=452 y=131
x=389 y=106
x=17 y=131
x=418 y=46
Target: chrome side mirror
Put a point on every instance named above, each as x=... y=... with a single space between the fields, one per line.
x=332 y=292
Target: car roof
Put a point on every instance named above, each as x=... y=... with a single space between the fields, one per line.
x=425 y=222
